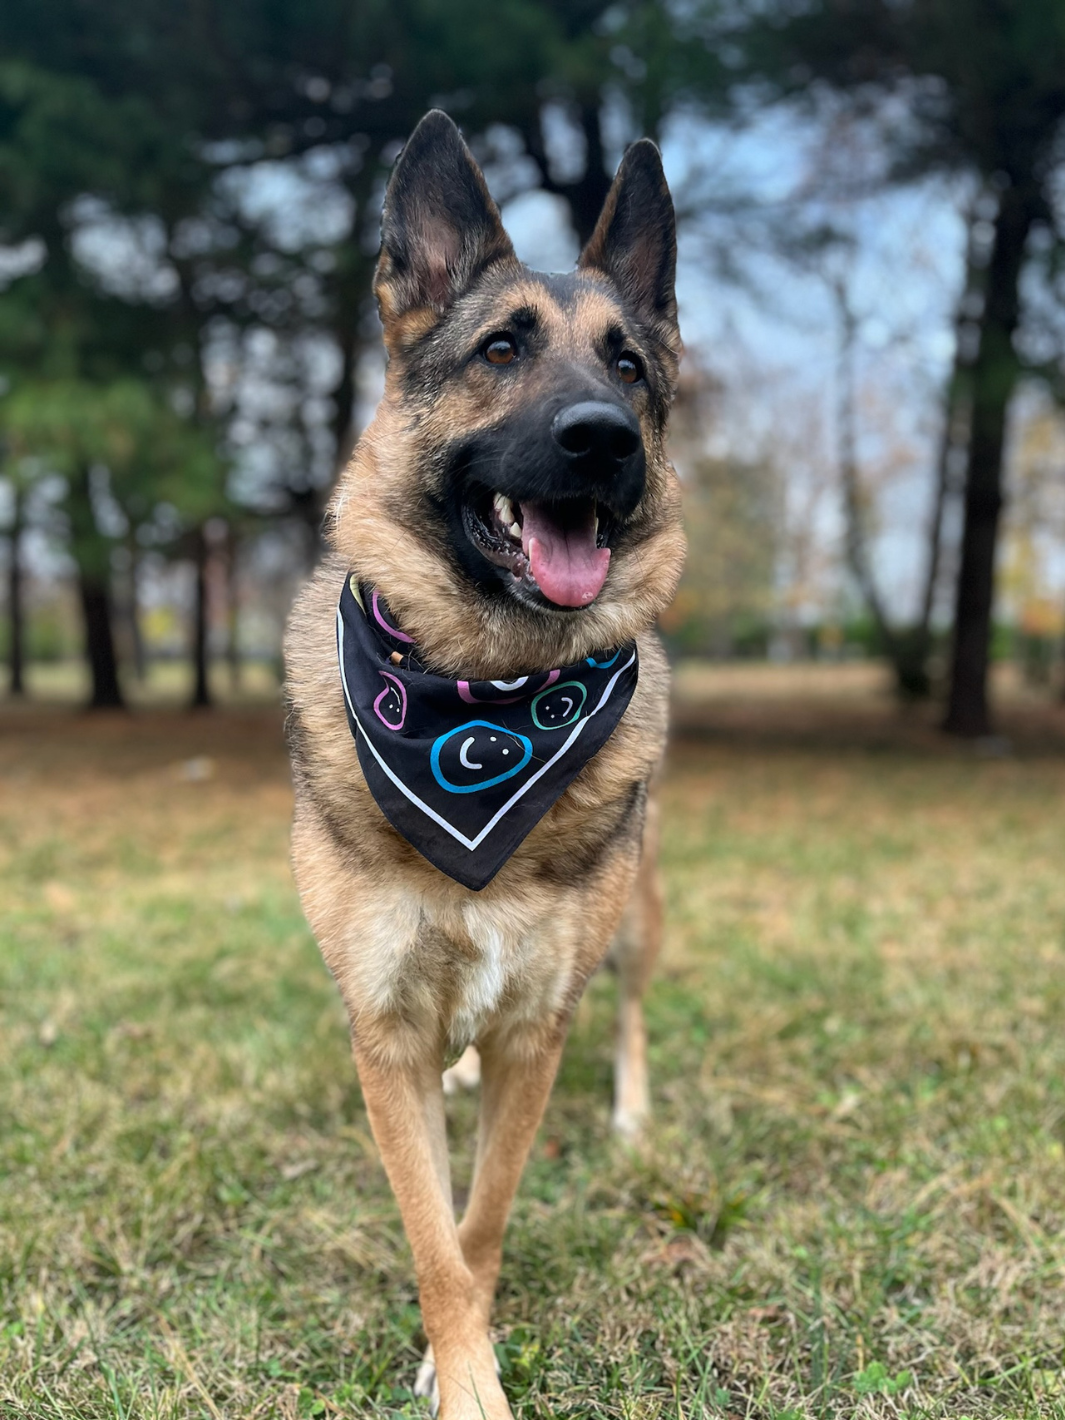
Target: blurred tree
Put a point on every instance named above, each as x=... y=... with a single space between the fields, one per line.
x=908 y=647
x=14 y=475
x=330 y=90
x=70 y=345
x=129 y=462
x=184 y=181
x=1035 y=534
x=728 y=594
x=734 y=517
x=959 y=86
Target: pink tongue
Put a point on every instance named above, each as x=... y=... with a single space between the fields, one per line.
x=568 y=567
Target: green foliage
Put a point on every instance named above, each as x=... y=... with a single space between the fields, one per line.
x=150 y=455
x=49 y=635
x=61 y=136
x=875 y=1379
x=126 y=427
x=78 y=399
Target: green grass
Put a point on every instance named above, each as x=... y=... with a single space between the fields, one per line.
x=852 y=1202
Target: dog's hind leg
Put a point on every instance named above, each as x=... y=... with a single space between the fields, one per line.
x=405 y=1102
x=465 y=1074
x=633 y=954
x=517 y=1072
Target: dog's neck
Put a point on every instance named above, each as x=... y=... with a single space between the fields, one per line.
x=494 y=638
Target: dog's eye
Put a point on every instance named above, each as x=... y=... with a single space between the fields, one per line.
x=628 y=368
x=499 y=350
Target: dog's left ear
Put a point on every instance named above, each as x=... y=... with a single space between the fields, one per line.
x=440 y=228
x=635 y=240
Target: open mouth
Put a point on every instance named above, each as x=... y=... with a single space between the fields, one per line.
x=557 y=549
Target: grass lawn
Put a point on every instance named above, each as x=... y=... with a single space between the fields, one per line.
x=853 y=1198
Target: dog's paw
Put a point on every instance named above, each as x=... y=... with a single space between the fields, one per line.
x=629 y=1124
x=465 y=1074
x=426 y=1386
x=425 y=1383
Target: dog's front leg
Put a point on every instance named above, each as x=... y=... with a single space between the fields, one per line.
x=405 y=1102
x=517 y=1071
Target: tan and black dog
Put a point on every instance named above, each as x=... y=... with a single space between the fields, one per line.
x=513 y=503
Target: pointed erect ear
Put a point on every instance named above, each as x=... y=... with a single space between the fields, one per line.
x=440 y=229
x=635 y=240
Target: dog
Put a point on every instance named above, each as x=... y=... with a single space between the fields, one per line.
x=509 y=511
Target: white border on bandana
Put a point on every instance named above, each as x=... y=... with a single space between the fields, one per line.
x=472 y=843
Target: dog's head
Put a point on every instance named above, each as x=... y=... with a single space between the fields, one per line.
x=512 y=498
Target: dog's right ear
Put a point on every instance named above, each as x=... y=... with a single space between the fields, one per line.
x=440 y=228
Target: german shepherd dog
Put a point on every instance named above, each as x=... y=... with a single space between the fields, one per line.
x=513 y=503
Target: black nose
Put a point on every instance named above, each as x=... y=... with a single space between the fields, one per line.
x=597 y=430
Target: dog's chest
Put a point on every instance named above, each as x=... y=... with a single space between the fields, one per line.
x=467 y=966
x=481 y=979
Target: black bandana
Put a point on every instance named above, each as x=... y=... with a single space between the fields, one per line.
x=464 y=770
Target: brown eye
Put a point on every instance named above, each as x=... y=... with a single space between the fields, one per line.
x=500 y=350
x=628 y=368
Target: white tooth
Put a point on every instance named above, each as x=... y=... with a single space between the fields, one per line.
x=504 y=509
x=515 y=530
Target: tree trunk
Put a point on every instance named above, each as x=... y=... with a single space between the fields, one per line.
x=909 y=648
x=916 y=648
x=994 y=377
x=232 y=610
x=140 y=663
x=92 y=554
x=100 y=642
x=15 y=612
x=905 y=650
x=201 y=694
x=914 y=644
x=586 y=196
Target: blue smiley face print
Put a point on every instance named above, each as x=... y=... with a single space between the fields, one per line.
x=560 y=706
x=477 y=755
